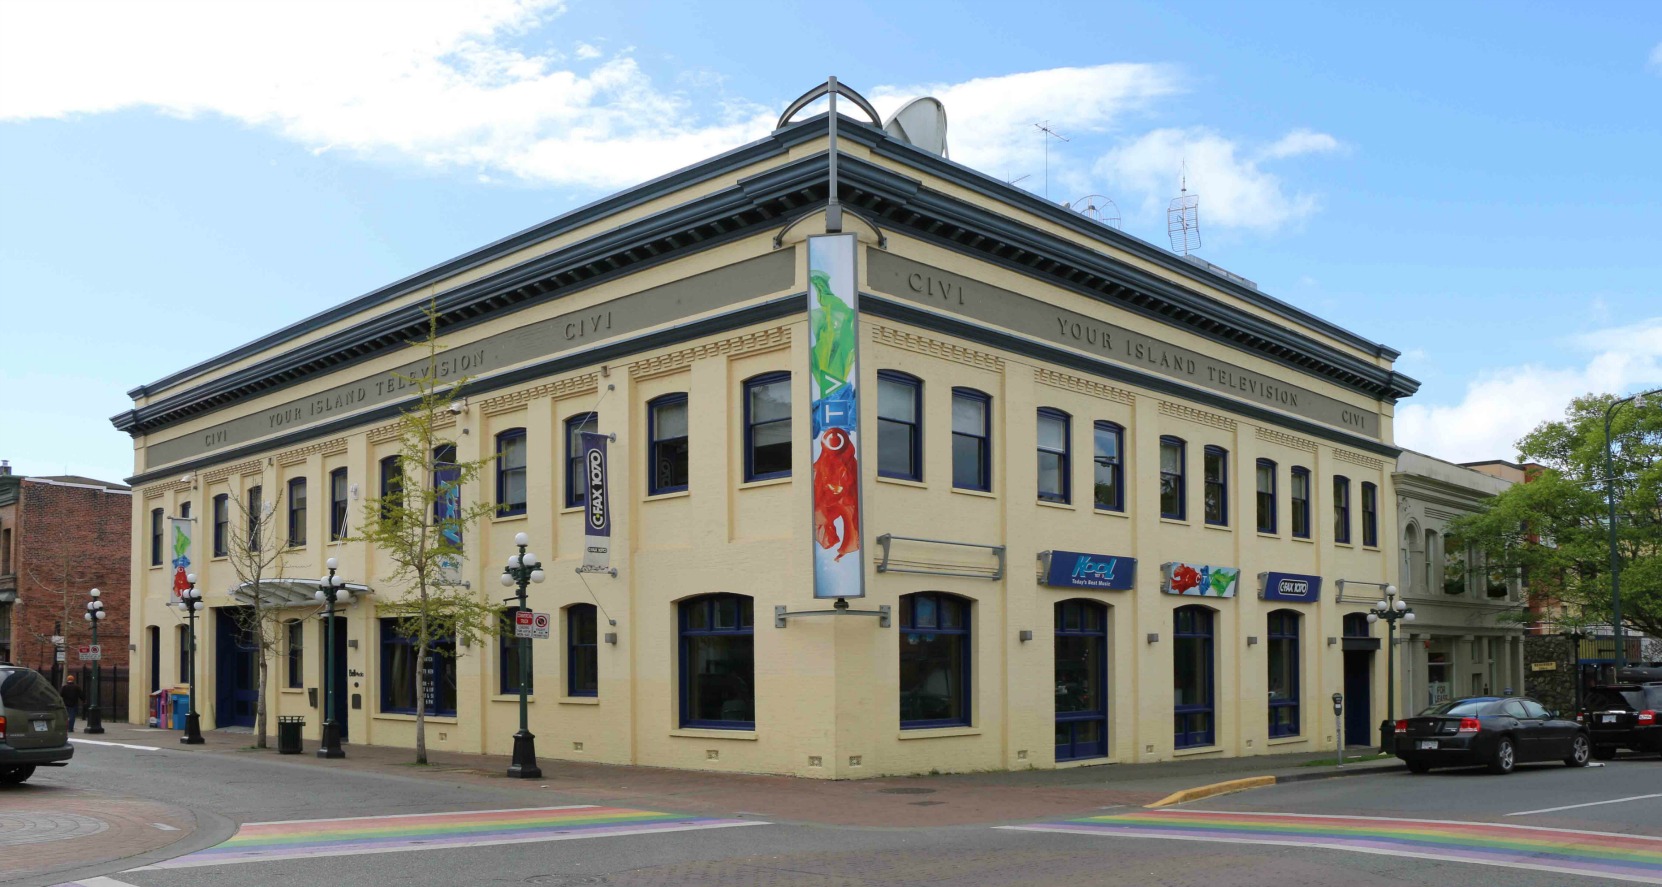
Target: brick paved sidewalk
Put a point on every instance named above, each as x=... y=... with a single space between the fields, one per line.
x=47 y=828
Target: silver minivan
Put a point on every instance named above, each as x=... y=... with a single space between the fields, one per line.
x=34 y=727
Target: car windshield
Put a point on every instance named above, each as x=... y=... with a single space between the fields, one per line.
x=1615 y=699
x=25 y=688
x=1459 y=708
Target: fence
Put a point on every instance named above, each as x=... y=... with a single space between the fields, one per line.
x=112 y=686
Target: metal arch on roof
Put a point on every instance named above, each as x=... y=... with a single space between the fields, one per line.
x=824 y=89
x=286 y=592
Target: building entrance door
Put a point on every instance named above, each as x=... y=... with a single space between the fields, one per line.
x=236 y=680
x=1081 y=680
x=1358 y=697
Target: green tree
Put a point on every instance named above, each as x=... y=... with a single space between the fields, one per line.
x=1554 y=530
x=418 y=528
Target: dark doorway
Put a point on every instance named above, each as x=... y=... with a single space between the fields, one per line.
x=340 y=669
x=153 y=637
x=1358 y=697
x=236 y=679
x=1081 y=680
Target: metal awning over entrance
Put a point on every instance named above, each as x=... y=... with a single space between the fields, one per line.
x=287 y=592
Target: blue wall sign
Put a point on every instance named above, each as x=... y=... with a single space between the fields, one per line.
x=1290 y=587
x=1073 y=569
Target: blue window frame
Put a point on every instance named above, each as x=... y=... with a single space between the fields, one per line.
x=1300 y=500
x=1266 y=496
x=767 y=427
x=222 y=525
x=577 y=477
x=296 y=653
x=392 y=485
x=582 y=650
x=1173 y=457
x=404 y=685
x=297 y=511
x=1370 y=515
x=1109 y=482
x=934 y=660
x=337 y=505
x=156 y=521
x=899 y=425
x=1215 y=485
x=256 y=510
x=1081 y=680
x=666 y=428
x=1341 y=509
x=718 y=663
x=507 y=655
x=1283 y=677
x=972 y=440
x=1055 y=475
x=510 y=472
x=447 y=487
x=1193 y=700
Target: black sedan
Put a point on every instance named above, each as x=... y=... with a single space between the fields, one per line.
x=1498 y=731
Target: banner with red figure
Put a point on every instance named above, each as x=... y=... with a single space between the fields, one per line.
x=833 y=388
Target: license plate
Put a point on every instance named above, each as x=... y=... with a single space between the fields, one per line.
x=1607 y=719
x=41 y=726
x=1426 y=743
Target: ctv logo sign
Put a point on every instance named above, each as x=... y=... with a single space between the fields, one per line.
x=1077 y=569
x=1294 y=587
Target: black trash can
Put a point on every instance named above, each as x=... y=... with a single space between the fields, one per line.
x=288 y=734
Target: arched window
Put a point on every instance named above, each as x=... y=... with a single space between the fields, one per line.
x=1193 y=700
x=1172 y=458
x=1215 y=485
x=1054 y=462
x=1081 y=680
x=1110 y=466
x=718 y=662
x=1284 y=672
x=510 y=472
x=899 y=425
x=972 y=440
x=1356 y=625
x=767 y=427
x=1266 y=496
x=934 y=660
x=666 y=431
x=582 y=651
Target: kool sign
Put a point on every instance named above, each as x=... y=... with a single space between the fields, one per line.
x=1075 y=569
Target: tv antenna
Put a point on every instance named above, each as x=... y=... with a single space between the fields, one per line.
x=1046 y=130
x=1183 y=218
x=1098 y=207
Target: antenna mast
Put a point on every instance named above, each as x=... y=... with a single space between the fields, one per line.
x=1183 y=218
x=1046 y=130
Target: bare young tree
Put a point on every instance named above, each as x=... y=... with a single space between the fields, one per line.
x=65 y=589
x=257 y=553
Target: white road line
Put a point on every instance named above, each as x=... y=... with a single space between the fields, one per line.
x=165 y=827
x=116 y=744
x=97 y=882
x=1590 y=804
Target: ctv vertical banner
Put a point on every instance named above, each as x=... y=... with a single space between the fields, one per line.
x=181 y=553
x=597 y=532
x=833 y=387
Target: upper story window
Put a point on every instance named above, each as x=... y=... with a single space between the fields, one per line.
x=934 y=660
x=1301 y=502
x=1054 y=463
x=156 y=537
x=1370 y=514
x=510 y=472
x=256 y=510
x=972 y=440
x=1171 y=478
x=1216 y=478
x=447 y=494
x=1109 y=444
x=577 y=477
x=718 y=662
x=392 y=485
x=899 y=426
x=1341 y=509
x=222 y=524
x=666 y=419
x=1266 y=496
x=767 y=427
x=297 y=511
x=337 y=504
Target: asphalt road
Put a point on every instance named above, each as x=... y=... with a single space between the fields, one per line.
x=634 y=848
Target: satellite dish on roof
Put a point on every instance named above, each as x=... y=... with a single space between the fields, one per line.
x=920 y=122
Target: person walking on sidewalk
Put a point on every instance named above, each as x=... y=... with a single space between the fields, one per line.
x=71 y=693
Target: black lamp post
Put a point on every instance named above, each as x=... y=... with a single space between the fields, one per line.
x=1392 y=611
x=190 y=600
x=95 y=615
x=330 y=590
x=522 y=570
x=1610 y=497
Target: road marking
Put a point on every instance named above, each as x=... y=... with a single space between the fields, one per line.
x=96 y=882
x=165 y=827
x=1608 y=855
x=1589 y=804
x=312 y=838
x=115 y=744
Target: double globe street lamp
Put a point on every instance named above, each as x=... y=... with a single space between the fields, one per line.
x=1392 y=610
x=94 y=615
x=190 y=600
x=331 y=590
x=523 y=569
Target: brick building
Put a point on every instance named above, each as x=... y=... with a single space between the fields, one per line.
x=59 y=538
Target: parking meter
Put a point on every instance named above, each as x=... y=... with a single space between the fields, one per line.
x=1339 y=724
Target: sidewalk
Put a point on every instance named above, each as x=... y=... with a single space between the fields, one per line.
x=912 y=801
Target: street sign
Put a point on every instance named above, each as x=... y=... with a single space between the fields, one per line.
x=60 y=656
x=57 y=640
x=530 y=625
x=90 y=652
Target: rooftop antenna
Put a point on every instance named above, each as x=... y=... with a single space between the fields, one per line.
x=1025 y=175
x=1045 y=128
x=1098 y=207
x=1183 y=218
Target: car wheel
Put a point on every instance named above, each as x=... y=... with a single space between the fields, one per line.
x=1506 y=756
x=1604 y=752
x=16 y=775
x=1418 y=767
x=1579 y=752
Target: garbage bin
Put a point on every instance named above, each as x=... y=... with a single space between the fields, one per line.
x=288 y=734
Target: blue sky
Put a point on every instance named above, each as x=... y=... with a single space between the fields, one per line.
x=1476 y=185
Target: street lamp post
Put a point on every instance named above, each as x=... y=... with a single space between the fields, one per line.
x=95 y=615
x=523 y=569
x=1391 y=610
x=1610 y=497
x=331 y=589
x=190 y=600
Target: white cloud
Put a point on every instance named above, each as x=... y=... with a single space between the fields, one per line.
x=1234 y=191
x=1504 y=404
x=1300 y=141
x=1656 y=59
x=587 y=51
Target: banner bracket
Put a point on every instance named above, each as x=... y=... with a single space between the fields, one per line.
x=840 y=608
x=610 y=571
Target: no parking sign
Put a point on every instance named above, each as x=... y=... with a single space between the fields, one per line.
x=530 y=625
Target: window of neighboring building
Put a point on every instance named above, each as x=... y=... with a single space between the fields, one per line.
x=1171 y=478
x=222 y=524
x=406 y=683
x=767 y=427
x=1301 y=502
x=296 y=652
x=972 y=440
x=447 y=499
x=1054 y=464
x=1283 y=679
x=582 y=650
x=6 y=555
x=1109 y=444
x=1341 y=509
x=1370 y=515
x=297 y=511
x=718 y=663
x=507 y=655
x=1266 y=496
x=337 y=504
x=667 y=431
x=392 y=486
x=934 y=660
x=256 y=511
x=577 y=476
x=184 y=510
x=1216 y=478
x=899 y=426
x=1192 y=677
x=510 y=472
x=156 y=537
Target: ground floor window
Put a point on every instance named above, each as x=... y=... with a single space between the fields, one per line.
x=508 y=647
x=582 y=653
x=718 y=663
x=1081 y=680
x=934 y=660
x=1192 y=677
x=1283 y=677
x=404 y=681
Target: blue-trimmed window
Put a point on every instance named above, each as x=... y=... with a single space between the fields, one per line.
x=256 y=510
x=1192 y=691
x=337 y=505
x=767 y=427
x=1173 y=457
x=1370 y=515
x=666 y=428
x=510 y=472
x=156 y=522
x=577 y=477
x=1055 y=476
x=222 y=525
x=1266 y=496
x=404 y=684
x=392 y=486
x=934 y=660
x=507 y=655
x=1109 y=460
x=1341 y=509
x=899 y=425
x=1081 y=680
x=297 y=511
x=582 y=650
x=1215 y=485
x=447 y=490
x=295 y=653
x=1283 y=678
x=972 y=440
x=1300 y=500
x=718 y=663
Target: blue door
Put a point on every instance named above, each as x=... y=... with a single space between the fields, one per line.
x=236 y=679
x=1081 y=680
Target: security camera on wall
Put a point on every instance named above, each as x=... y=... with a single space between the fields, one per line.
x=458 y=407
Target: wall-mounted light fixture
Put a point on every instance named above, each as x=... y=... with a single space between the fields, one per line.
x=1153 y=637
x=1332 y=641
x=1252 y=640
x=611 y=637
x=1025 y=635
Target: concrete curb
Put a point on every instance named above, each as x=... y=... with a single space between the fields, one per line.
x=1334 y=772
x=1216 y=788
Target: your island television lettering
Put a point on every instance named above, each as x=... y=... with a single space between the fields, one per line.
x=1294 y=587
x=1075 y=569
x=1200 y=580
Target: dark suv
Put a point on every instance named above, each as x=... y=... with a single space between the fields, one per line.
x=34 y=727
x=1626 y=714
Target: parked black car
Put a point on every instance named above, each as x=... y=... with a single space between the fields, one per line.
x=1498 y=731
x=34 y=727
x=1625 y=715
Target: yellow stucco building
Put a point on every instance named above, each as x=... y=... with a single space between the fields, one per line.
x=1105 y=493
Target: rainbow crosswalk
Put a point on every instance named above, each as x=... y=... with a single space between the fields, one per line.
x=301 y=839
x=1635 y=858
